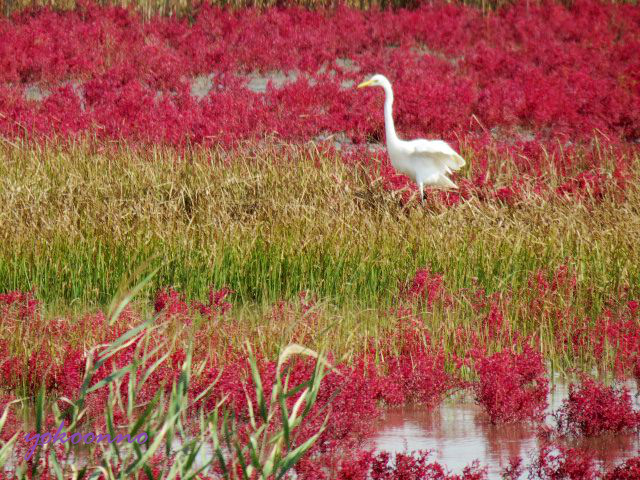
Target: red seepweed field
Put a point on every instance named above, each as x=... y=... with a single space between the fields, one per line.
x=202 y=238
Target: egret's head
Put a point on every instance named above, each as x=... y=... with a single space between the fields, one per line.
x=375 y=81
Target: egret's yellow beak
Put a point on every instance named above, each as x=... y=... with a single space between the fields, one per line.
x=365 y=84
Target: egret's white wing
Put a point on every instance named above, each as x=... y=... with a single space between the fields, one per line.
x=438 y=151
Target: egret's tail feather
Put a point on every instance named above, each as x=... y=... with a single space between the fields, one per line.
x=459 y=162
x=445 y=182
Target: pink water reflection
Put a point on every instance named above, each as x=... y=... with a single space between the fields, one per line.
x=458 y=432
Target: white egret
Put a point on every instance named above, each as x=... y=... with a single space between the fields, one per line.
x=426 y=162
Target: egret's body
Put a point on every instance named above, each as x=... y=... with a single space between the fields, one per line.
x=426 y=162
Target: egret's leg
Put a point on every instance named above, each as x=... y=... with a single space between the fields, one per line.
x=421 y=185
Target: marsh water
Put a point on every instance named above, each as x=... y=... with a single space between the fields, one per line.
x=459 y=431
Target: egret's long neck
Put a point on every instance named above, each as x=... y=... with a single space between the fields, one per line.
x=390 y=129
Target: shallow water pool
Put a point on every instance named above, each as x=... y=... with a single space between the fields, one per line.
x=459 y=431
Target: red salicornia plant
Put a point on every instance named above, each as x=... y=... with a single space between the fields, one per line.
x=593 y=408
x=512 y=386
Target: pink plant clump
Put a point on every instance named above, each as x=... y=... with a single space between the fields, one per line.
x=170 y=304
x=556 y=462
x=618 y=329
x=21 y=305
x=629 y=470
x=365 y=465
x=512 y=387
x=413 y=369
x=13 y=420
x=426 y=287
x=593 y=408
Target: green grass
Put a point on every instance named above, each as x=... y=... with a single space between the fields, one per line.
x=87 y=273
x=276 y=220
